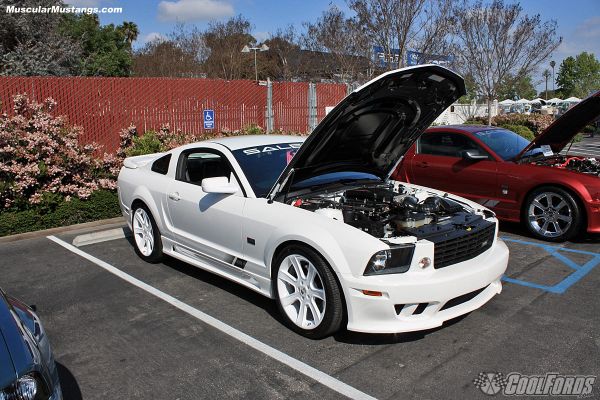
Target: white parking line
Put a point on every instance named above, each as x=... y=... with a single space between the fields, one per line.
x=303 y=368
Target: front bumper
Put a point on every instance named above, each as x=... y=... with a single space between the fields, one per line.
x=417 y=299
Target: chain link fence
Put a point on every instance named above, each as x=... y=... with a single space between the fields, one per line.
x=104 y=106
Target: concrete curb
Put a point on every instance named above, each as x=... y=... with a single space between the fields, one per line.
x=105 y=235
x=104 y=223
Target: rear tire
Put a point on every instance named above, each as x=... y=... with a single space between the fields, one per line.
x=552 y=214
x=146 y=236
x=307 y=293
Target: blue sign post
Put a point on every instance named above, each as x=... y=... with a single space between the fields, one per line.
x=386 y=60
x=209 y=119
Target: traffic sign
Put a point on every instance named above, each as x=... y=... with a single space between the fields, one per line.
x=209 y=119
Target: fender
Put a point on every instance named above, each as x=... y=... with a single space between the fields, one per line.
x=346 y=257
x=143 y=194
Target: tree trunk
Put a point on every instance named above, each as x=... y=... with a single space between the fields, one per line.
x=489 y=107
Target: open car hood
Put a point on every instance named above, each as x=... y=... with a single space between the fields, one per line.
x=563 y=130
x=373 y=127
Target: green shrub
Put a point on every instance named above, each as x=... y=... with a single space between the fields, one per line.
x=474 y=121
x=521 y=130
x=589 y=128
x=54 y=211
x=252 y=129
x=147 y=143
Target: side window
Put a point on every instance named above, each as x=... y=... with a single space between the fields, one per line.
x=447 y=144
x=199 y=164
x=161 y=165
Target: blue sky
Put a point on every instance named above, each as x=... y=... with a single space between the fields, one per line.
x=578 y=20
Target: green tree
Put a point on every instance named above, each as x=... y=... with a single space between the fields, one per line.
x=579 y=76
x=31 y=44
x=106 y=50
x=512 y=86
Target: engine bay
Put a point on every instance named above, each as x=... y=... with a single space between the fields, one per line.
x=584 y=165
x=386 y=211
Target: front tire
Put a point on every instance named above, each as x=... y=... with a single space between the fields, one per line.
x=146 y=235
x=552 y=214
x=307 y=293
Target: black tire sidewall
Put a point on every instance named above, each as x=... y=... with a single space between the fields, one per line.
x=576 y=214
x=157 y=254
x=334 y=308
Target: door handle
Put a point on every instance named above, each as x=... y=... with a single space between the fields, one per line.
x=174 y=196
x=422 y=164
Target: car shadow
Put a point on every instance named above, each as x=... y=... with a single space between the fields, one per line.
x=233 y=288
x=269 y=306
x=68 y=383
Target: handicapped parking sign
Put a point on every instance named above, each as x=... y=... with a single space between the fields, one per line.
x=209 y=119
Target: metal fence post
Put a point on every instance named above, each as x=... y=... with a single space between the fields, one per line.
x=312 y=106
x=270 y=117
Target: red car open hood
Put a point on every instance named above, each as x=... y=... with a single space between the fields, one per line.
x=371 y=129
x=564 y=129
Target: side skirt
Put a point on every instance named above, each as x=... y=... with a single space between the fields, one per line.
x=229 y=271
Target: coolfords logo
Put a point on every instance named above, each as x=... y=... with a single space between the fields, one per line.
x=551 y=384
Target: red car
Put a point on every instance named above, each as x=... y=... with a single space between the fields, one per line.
x=556 y=196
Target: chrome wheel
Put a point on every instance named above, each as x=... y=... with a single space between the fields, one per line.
x=301 y=291
x=143 y=232
x=550 y=214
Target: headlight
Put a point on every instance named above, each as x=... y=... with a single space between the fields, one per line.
x=25 y=388
x=396 y=260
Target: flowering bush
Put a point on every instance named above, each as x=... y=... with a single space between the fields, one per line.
x=42 y=164
x=535 y=122
x=41 y=159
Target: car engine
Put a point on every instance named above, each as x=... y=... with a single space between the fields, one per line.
x=580 y=164
x=386 y=211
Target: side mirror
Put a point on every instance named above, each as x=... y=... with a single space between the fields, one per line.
x=474 y=155
x=219 y=184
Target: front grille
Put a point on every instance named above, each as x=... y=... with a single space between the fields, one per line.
x=464 y=247
x=462 y=299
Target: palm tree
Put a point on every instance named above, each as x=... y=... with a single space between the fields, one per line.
x=130 y=30
x=546 y=75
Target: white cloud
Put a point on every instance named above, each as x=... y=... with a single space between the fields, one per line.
x=584 y=37
x=261 y=36
x=193 y=10
x=152 y=36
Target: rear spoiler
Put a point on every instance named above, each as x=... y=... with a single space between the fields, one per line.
x=140 y=161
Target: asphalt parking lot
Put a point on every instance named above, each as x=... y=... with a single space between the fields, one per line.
x=115 y=340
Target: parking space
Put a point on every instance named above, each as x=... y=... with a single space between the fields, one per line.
x=114 y=337
x=587 y=147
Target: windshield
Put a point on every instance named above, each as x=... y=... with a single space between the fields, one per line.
x=262 y=165
x=506 y=144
